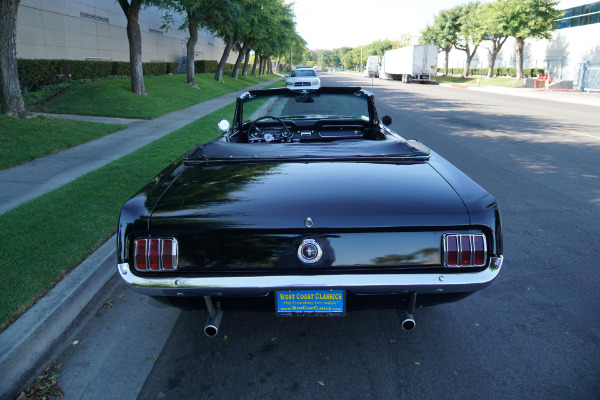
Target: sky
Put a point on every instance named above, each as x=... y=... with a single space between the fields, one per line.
x=330 y=24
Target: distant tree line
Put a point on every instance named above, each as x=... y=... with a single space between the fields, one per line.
x=350 y=57
x=466 y=27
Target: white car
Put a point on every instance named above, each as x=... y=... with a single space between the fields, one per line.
x=304 y=78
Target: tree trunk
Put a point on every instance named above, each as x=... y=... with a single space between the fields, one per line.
x=497 y=45
x=191 y=50
x=277 y=64
x=470 y=55
x=246 y=61
x=11 y=100
x=224 y=57
x=255 y=64
x=135 y=44
x=520 y=46
x=270 y=65
x=447 y=59
x=240 y=58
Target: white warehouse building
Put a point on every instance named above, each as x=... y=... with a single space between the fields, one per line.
x=576 y=42
x=96 y=30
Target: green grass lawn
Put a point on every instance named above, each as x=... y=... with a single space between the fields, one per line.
x=113 y=98
x=480 y=80
x=44 y=239
x=23 y=140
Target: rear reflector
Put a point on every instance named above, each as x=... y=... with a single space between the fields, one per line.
x=155 y=254
x=464 y=250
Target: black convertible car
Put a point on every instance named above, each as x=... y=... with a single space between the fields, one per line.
x=308 y=205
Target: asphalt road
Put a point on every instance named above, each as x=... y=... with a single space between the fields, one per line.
x=532 y=334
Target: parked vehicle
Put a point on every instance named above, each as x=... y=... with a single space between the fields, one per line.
x=372 y=67
x=413 y=63
x=309 y=205
x=302 y=78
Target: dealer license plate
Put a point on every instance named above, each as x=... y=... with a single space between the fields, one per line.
x=310 y=303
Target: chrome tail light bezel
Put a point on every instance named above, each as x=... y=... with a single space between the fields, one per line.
x=144 y=245
x=459 y=240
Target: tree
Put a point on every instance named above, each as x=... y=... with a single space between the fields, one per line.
x=529 y=19
x=132 y=11
x=442 y=33
x=196 y=15
x=492 y=17
x=274 y=33
x=469 y=32
x=11 y=100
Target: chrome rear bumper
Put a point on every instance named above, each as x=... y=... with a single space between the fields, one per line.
x=357 y=283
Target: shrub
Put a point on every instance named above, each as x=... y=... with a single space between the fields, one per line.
x=204 y=66
x=36 y=73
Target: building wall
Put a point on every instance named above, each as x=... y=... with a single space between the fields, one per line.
x=561 y=56
x=96 y=30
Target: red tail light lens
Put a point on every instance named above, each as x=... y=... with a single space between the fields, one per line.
x=155 y=254
x=140 y=254
x=464 y=250
x=166 y=256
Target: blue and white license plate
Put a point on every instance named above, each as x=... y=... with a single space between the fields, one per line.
x=310 y=303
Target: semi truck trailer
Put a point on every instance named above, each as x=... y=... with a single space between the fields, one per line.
x=412 y=63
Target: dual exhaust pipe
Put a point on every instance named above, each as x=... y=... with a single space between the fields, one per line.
x=406 y=315
x=211 y=328
x=215 y=314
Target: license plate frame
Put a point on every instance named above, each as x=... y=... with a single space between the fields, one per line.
x=310 y=303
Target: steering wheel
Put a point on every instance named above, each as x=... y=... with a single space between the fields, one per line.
x=286 y=135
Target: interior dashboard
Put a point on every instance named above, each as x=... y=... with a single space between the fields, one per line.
x=291 y=132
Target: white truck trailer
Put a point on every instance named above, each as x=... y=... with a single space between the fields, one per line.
x=372 y=67
x=413 y=63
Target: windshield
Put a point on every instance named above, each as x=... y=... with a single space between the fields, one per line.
x=302 y=72
x=307 y=106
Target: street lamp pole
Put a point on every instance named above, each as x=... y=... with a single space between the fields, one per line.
x=361 y=63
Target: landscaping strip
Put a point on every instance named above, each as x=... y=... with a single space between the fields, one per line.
x=165 y=94
x=50 y=235
x=24 y=140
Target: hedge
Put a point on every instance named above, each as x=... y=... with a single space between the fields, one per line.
x=33 y=74
x=527 y=72
x=210 y=66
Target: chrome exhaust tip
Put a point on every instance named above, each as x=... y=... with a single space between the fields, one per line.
x=408 y=324
x=211 y=328
x=407 y=321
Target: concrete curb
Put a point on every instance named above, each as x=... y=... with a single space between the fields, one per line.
x=33 y=338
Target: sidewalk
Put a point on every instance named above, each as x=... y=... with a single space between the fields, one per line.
x=582 y=98
x=32 y=341
x=29 y=181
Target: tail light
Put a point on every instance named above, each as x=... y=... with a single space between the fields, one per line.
x=464 y=250
x=155 y=254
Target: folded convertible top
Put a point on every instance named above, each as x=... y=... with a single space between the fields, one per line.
x=343 y=149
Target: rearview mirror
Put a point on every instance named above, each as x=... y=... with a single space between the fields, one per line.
x=386 y=120
x=224 y=125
